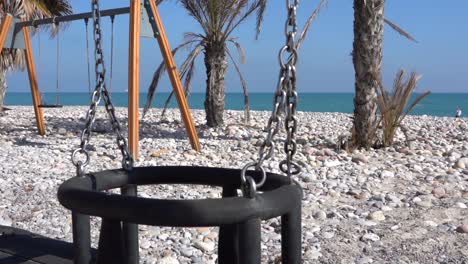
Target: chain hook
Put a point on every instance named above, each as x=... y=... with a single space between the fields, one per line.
x=79 y=169
x=248 y=185
x=249 y=188
x=54 y=21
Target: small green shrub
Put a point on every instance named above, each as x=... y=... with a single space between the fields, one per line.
x=393 y=106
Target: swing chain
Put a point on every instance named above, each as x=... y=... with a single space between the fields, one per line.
x=100 y=90
x=285 y=100
x=288 y=68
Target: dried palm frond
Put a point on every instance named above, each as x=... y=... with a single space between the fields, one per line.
x=29 y=9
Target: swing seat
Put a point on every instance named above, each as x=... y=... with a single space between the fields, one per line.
x=50 y=106
x=239 y=218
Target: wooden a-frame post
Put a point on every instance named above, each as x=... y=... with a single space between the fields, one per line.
x=134 y=77
x=5 y=27
x=6 y=23
x=134 y=70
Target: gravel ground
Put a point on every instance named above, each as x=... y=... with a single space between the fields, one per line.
x=404 y=204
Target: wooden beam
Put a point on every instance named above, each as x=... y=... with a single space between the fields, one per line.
x=175 y=80
x=134 y=77
x=33 y=82
x=73 y=17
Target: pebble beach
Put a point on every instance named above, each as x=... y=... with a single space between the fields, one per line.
x=402 y=204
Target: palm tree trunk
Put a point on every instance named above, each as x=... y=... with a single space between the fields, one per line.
x=3 y=86
x=216 y=67
x=367 y=60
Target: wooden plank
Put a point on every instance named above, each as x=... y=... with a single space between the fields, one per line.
x=33 y=82
x=134 y=78
x=6 y=258
x=175 y=80
x=16 y=244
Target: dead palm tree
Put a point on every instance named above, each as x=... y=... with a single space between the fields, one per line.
x=218 y=20
x=30 y=9
x=367 y=59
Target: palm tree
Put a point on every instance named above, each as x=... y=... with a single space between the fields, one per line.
x=218 y=20
x=30 y=9
x=367 y=59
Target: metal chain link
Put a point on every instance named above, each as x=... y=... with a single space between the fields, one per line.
x=288 y=166
x=285 y=100
x=99 y=91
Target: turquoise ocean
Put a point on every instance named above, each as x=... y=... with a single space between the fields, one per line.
x=437 y=104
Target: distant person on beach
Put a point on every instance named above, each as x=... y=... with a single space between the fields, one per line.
x=458 y=112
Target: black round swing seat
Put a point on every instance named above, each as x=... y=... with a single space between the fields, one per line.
x=83 y=195
x=239 y=217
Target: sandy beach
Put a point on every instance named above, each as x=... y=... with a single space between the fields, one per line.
x=404 y=204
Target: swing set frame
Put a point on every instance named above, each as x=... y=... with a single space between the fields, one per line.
x=135 y=12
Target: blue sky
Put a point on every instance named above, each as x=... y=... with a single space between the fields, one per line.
x=325 y=65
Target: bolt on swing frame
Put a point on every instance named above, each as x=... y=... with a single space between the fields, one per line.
x=133 y=67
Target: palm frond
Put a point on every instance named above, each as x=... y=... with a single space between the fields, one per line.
x=260 y=15
x=153 y=86
x=187 y=88
x=39 y=9
x=416 y=102
x=237 y=20
x=192 y=37
x=400 y=30
x=187 y=69
x=158 y=75
x=189 y=77
x=197 y=11
x=236 y=14
x=239 y=49
x=31 y=9
x=311 y=19
x=394 y=107
x=244 y=88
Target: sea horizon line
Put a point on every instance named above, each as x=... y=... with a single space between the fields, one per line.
x=254 y=92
